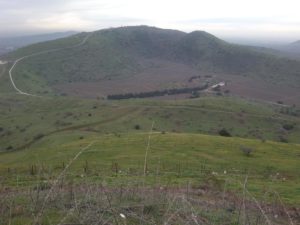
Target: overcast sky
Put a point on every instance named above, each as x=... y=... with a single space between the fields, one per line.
x=246 y=19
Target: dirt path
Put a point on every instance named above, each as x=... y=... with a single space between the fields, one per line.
x=36 y=54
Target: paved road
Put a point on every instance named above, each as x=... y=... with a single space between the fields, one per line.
x=35 y=54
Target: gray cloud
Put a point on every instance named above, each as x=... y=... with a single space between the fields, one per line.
x=19 y=17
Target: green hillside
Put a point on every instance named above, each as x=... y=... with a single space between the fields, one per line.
x=70 y=155
x=25 y=120
x=190 y=151
x=120 y=53
x=53 y=148
x=204 y=168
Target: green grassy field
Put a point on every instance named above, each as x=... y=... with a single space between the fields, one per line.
x=26 y=120
x=51 y=130
x=173 y=158
x=72 y=157
x=41 y=136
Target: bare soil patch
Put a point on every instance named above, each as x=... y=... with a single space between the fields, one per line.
x=163 y=75
x=260 y=89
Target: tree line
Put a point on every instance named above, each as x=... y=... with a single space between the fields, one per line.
x=149 y=94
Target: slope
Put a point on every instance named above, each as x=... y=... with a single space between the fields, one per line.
x=148 y=58
x=25 y=121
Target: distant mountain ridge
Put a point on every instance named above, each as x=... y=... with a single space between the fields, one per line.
x=296 y=43
x=295 y=46
x=291 y=50
x=149 y=55
x=8 y=44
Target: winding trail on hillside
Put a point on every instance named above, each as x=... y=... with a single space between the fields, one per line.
x=36 y=54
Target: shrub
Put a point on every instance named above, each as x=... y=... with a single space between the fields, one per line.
x=22 y=130
x=279 y=102
x=288 y=126
x=246 y=150
x=137 y=127
x=9 y=148
x=223 y=132
x=38 y=136
x=283 y=139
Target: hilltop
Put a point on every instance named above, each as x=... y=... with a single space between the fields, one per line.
x=135 y=59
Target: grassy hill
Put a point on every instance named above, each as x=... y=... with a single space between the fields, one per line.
x=205 y=175
x=145 y=54
x=216 y=158
x=25 y=121
x=53 y=148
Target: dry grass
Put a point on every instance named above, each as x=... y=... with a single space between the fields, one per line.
x=134 y=203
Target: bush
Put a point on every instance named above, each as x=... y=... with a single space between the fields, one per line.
x=223 y=132
x=288 y=126
x=283 y=139
x=246 y=150
x=9 y=148
x=137 y=127
x=39 y=136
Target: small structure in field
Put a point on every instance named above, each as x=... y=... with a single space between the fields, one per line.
x=221 y=84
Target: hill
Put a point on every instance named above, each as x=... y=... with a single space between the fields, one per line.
x=177 y=145
x=137 y=59
x=294 y=48
x=291 y=50
x=20 y=129
x=55 y=148
x=296 y=45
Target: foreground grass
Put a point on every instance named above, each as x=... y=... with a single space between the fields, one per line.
x=45 y=167
x=136 y=203
x=199 y=179
x=173 y=158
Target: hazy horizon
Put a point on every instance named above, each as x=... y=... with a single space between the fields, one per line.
x=267 y=22
x=232 y=39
